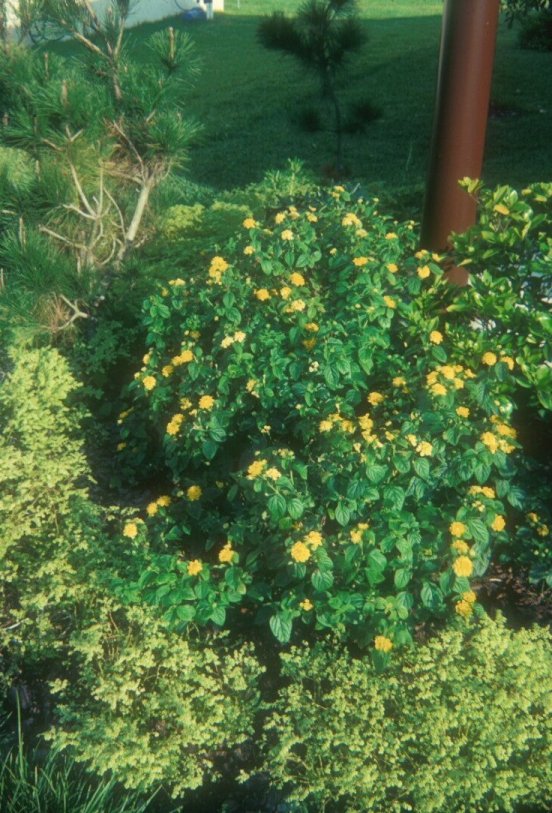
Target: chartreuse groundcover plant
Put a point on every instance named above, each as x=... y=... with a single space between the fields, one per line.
x=340 y=456
x=461 y=723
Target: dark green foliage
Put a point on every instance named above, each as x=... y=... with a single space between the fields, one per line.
x=536 y=31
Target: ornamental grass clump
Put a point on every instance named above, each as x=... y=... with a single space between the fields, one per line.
x=462 y=723
x=330 y=426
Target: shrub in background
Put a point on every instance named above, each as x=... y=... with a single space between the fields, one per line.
x=508 y=253
x=152 y=707
x=341 y=456
x=462 y=723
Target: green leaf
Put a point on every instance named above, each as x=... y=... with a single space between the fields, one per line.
x=276 y=506
x=478 y=531
x=421 y=467
x=377 y=560
x=322 y=580
x=394 y=497
x=402 y=577
x=342 y=514
x=185 y=613
x=281 y=625
x=218 y=616
x=209 y=448
x=331 y=377
x=295 y=508
x=375 y=472
x=430 y=595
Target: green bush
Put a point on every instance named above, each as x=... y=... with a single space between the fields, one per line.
x=53 y=538
x=462 y=723
x=341 y=455
x=150 y=707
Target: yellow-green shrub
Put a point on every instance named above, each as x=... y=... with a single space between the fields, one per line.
x=152 y=707
x=463 y=723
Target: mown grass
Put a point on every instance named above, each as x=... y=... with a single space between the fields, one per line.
x=248 y=99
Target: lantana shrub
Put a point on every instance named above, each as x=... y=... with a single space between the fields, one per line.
x=338 y=456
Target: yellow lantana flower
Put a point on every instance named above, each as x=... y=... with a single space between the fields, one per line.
x=256 y=468
x=463 y=566
x=306 y=605
x=383 y=644
x=390 y=302
x=375 y=398
x=360 y=261
x=498 y=523
x=287 y=235
x=314 y=539
x=249 y=223
x=297 y=279
x=149 y=382
x=490 y=441
x=462 y=411
x=194 y=567
x=392 y=268
x=226 y=554
x=489 y=359
x=262 y=294
x=424 y=448
x=424 y=271
x=300 y=552
x=130 y=530
x=273 y=474
x=460 y=546
x=463 y=608
x=457 y=528
x=206 y=402
x=194 y=493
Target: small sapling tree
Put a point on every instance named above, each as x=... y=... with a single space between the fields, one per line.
x=321 y=36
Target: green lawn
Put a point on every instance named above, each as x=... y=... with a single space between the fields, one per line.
x=247 y=99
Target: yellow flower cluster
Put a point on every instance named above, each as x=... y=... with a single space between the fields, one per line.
x=256 y=469
x=460 y=546
x=194 y=493
x=184 y=357
x=436 y=337
x=249 y=223
x=130 y=530
x=360 y=261
x=336 y=419
x=175 y=423
x=463 y=566
x=161 y=502
x=350 y=219
x=424 y=271
x=226 y=554
x=300 y=552
x=498 y=524
x=149 y=382
x=297 y=279
x=194 y=567
x=447 y=374
x=357 y=533
x=287 y=235
x=262 y=294
x=424 y=449
x=542 y=529
x=217 y=268
x=306 y=605
x=486 y=491
x=457 y=528
x=382 y=644
x=206 y=402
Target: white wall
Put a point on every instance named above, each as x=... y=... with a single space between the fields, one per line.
x=141 y=11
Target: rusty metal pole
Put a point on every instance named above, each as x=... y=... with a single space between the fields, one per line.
x=466 y=60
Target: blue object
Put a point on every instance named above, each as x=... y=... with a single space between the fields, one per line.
x=195 y=13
